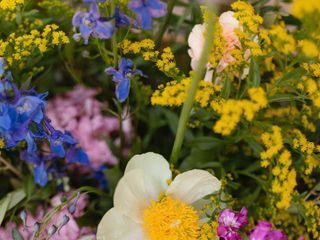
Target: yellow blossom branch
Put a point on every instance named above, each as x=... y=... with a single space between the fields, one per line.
x=197 y=76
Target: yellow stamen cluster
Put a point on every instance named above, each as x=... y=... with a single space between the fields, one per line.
x=10 y=4
x=284 y=180
x=282 y=41
x=232 y=110
x=273 y=142
x=174 y=93
x=164 y=61
x=171 y=220
x=17 y=49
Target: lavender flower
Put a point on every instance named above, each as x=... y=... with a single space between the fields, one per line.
x=263 y=231
x=230 y=222
x=146 y=9
x=122 y=78
x=90 y=23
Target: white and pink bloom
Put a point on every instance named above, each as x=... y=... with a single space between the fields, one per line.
x=148 y=204
x=196 y=42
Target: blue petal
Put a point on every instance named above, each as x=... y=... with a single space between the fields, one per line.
x=40 y=175
x=85 y=32
x=144 y=18
x=2 y=62
x=57 y=148
x=31 y=144
x=125 y=65
x=122 y=90
x=94 y=10
x=104 y=29
x=77 y=155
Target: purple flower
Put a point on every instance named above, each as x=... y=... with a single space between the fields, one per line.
x=90 y=23
x=230 y=222
x=146 y=9
x=122 y=78
x=263 y=231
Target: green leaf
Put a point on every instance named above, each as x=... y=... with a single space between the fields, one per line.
x=206 y=143
x=284 y=97
x=10 y=201
x=4 y=204
x=16 y=235
x=254 y=73
x=291 y=76
x=226 y=90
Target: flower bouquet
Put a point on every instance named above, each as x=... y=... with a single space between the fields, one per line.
x=159 y=120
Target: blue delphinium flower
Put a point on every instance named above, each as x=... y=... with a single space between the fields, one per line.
x=122 y=78
x=2 y=63
x=22 y=118
x=90 y=23
x=146 y=9
x=123 y=20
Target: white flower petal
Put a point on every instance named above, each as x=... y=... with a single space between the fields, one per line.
x=193 y=185
x=153 y=164
x=134 y=193
x=196 y=41
x=227 y=19
x=115 y=226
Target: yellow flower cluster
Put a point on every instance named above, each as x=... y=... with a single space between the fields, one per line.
x=313 y=68
x=308 y=148
x=284 y=180
x=208 y=231
x=218 y=45
x=309 y=48
x=282 y=41
x=281 y=112
x=10 y=4
x=2 y=143
x=312 y=218
x=244 y=12
x=300 y=8
x=16 y=49
x=164 y=61
x=311 y=88
x=232 y=110
x=174 y=93
x=273 y=142
x=57 y=7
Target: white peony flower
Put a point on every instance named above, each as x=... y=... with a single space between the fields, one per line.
x=148 y=206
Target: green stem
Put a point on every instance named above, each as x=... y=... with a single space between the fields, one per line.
x=10 y=167
x=163 y=27
x=198 y=75
x=114 y=38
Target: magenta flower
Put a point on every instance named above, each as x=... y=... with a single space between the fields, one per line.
x=263 y=231
x=230 y=222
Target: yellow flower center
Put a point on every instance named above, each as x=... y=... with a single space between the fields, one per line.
x=171 y=220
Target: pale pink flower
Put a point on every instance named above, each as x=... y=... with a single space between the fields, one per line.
x=80 y=113
x=196 y=42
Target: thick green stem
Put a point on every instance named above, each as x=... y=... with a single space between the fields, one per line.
x=198 y=75
x=163 y=27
